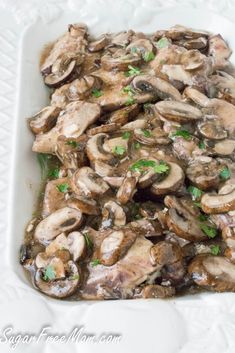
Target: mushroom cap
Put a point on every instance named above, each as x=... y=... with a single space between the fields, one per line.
x=218 y=203
x=62 y=220
x=171 y=182
x=178 y=111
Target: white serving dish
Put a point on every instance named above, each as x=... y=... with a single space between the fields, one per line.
x=145 y=325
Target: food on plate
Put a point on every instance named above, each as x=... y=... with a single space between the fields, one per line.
x=136 y=150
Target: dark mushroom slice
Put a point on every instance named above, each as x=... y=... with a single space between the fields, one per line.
x=153 y=291
x=213 y=273
x=212 y=129
x=178 y=111
x=147 y=228
x=60 y=288
x=120 y=63
x=127 y=189
x=63 y=220
x=197 y=43
x=113 y=215
x=204 y=172
x=155 y=85
x=85 y=182
x=179 y=32
x=123 y=115
x=95 y=148
x=191 y=250
x=182 y=222
x=219 y=50
x=62 y=71
x=98 y=44
x=218 y=203
x=44 y=120
x=115 y=245
x=105 y=128
x=172 y=182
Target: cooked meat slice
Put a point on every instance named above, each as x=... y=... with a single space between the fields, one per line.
x=121 y=278
x=213 y=273
x=72 y=123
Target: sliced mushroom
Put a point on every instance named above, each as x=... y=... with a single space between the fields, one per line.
x=177 y=73
x=155 y=85
x=77 y=245
x=122 y=116
x=59 y=243
x=204 y=172
x=103 y=169
x=196 y=96
x=71 y=151
x=62 y=220
x=136 y=124
x=157 y=291
x=219 y=50
x=115 y=245
x=171 y=182
x=113 y=215
x=123 y=38
x=179 y=32
x=112 y=145
x=192 y=60
x=98 y=44
x=197 y=43
x=216 y=203
x=103 y=129
x=182 y=222
x=95 y=148
x=225 y=147
x=61 y=288
x=178 y=111
x=53 y=198
x=212 y=130
x=62 y=71
x=85 y=182
x=127 y=189
x=120 y=63
x=140 y=46
x=213 y=272
x=44 y=120
x=85 y=205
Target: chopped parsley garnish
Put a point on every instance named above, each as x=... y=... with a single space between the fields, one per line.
x=139 y=166
x=162 y=43
x=126 y=135
x=197 y=204
x=215 y=250
x=146 y=133
x=95 y=262
x=148 y=56
x=73 y=144
x=134 y=50
x=89 y=243
x=74 y=277
x=195 y=193
x=120 y=150
x=202 y=145
x=128 y=89
x=181 y=133
x=211 y=232
x=49 y=273
x=63 y=187
x=132 y=71
x=225 y=174
x=130 y=101
x=137 y=145
x=96 y=93
x=203 y=217
x=54 y=173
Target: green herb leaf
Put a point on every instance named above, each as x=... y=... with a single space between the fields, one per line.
x=195 y=192
x=215 y=250
x=54 y=173
x=182 y=133
x=97 y=93
x=211 y=232
x=132 y=71
x=198 y=204
x=137 y=145
x=202 y=217
x=146 y=133
x=128 y=89
x=129 y=101
x=74 y=277
x=43 y=163
x=162 y=43
x=161 y=168
x=134 y=50
x=148 y=56
x=63 y=187
x=126 y=135
x=88 y=241
x=49 y=273
x=162 y=62
x=225 y=174
x=73 y=144
x=120 y=150
x=202 y=145
x=95 y=262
